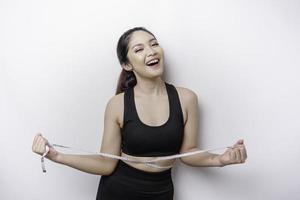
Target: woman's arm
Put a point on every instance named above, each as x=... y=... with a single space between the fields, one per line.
x=94 y=164
x=231 y=156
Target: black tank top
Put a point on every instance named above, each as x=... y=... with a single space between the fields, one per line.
x=139 y=139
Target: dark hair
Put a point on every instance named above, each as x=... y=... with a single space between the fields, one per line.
x=126 y=79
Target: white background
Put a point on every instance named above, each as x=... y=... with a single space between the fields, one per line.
x=59 y=68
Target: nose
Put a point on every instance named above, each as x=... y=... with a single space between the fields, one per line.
x=151 y=51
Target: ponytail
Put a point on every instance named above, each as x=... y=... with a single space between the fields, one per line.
x=126 y=80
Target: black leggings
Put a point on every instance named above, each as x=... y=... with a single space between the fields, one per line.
x=129 y=183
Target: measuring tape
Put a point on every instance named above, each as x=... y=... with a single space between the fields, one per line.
x=151 y=162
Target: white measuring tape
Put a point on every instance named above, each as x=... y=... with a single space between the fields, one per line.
x=150 y=162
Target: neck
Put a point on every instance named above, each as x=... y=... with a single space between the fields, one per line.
x=150 y=87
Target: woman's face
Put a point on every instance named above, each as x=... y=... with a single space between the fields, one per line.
x=145 y=56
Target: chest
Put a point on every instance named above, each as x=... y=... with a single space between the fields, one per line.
x=153 y=112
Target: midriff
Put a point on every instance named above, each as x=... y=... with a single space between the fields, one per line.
x=144 y=167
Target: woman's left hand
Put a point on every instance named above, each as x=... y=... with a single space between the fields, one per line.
x=234 y=155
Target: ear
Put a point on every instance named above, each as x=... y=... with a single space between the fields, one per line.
x=127 y=67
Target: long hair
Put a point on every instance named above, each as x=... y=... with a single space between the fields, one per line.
x=126 y=79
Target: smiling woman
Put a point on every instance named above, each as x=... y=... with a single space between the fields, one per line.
x=131 y=50
x=147 y=118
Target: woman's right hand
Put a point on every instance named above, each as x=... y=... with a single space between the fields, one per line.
x=39 y=147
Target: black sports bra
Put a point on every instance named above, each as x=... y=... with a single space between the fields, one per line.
x=139 y=139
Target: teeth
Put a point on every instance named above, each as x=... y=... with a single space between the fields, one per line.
x=152 y=61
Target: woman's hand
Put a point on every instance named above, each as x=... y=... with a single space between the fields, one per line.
x=39 y=147
x=235 y=155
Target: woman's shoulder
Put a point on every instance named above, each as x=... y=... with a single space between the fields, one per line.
x=116 y=100
x=115 y=107
x=186 y=93
x=115 y=103
x=187 y=97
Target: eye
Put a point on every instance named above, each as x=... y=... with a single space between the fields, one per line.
x=138 y=50
x=155 y=44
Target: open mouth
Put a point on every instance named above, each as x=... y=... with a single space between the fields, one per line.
x=153 y=63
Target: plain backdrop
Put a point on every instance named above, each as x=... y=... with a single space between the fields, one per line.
x=58 y=69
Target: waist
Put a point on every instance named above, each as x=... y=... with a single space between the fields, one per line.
x=128 y=170
x=144 y=167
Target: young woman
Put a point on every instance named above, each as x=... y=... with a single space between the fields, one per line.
x=147 y=118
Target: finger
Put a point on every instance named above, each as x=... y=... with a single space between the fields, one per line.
x=239 y=149
x=242 y=160
x=232 y=155
x=33 y=143
x=41 y=145
x=46 y=142
x=245 y=153
x=37 y=144
x=239 y=142
x=238 y=156
x=242 y=155
x=35 y=140
x=240 y=146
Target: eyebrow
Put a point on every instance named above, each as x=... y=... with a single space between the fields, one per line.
x=141 y=44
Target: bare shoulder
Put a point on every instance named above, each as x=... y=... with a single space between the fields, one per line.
x=115 y=106
x=116 y=99
x=188 y=99
x=186 y=95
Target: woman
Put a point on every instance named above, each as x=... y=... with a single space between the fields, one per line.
x=147 y=118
